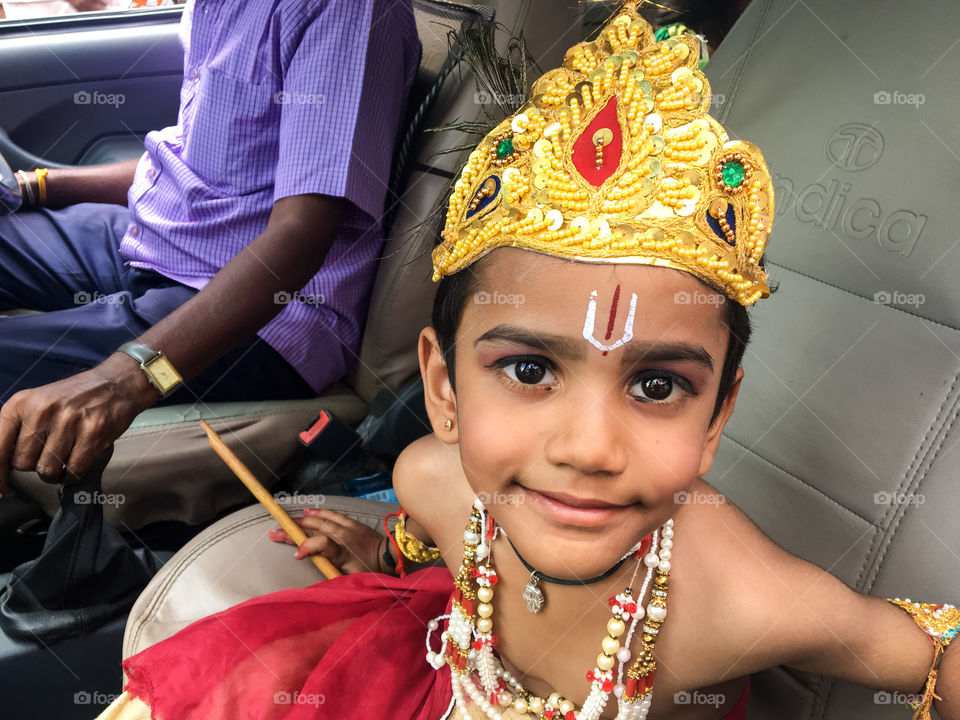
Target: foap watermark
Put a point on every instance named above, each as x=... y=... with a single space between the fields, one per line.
x=299 y=500
x=499 y=498
x=698 y=498
x=284 y=97
x=86 y=298
x=486 y=97
x=298 y=698
x=96 y=497
x=895 y=297
x=882 y=697
x=95 y=97
x=699 y=698
x=698 y=298
x=895 y=97
x=897 y=498
x=86 y=697
x=285 y=298
x=482 y=297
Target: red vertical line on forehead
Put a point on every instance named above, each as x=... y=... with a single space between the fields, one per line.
x=613 y=313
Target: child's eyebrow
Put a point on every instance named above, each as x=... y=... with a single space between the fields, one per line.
x=557 y=345
x=566 y=348
x=636 y=353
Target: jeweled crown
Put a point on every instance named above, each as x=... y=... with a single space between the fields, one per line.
x=615 y=159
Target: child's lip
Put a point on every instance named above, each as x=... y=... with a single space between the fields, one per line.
x=573 y=510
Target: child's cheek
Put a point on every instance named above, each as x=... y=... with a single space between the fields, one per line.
x=669 y=466
x=491 y=448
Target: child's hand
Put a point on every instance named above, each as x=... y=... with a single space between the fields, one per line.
x=351 y=546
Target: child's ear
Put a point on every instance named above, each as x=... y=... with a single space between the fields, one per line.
x=716 y=427
x=437 y=391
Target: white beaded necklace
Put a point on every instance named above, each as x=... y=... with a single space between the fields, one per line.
x=477 y=674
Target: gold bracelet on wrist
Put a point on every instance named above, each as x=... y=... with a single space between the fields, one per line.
x=41 y=174
x=413 y=548
x=941 y=623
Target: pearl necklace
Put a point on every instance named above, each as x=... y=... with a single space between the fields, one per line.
x=477 y=674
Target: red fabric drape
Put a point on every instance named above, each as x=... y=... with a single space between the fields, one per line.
x=352 y=647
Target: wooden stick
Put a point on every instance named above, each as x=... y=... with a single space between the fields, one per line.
x=266 y=499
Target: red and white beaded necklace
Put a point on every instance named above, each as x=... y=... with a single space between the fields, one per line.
x=478 y=675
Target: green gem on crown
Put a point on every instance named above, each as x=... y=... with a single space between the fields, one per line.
x=733 y=173
x=505 y=149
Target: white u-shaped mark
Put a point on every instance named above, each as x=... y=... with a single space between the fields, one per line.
x=589 y=322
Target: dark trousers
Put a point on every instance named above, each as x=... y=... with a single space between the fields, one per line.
x=66 y=264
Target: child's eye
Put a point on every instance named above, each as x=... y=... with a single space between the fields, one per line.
x=527 y=371
x=659 y=387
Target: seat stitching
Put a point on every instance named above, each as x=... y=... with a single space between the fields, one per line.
x=744 y=61
x=773 y=263
x=799 y=479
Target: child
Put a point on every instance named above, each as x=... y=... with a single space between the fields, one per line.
x=600 y=250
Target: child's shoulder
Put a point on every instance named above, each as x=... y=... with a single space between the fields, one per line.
x=756 y=604
x=430 y=486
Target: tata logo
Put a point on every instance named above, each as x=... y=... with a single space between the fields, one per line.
x=854 y=147
x=829 y=206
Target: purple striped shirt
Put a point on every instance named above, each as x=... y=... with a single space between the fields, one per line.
x=279 y=98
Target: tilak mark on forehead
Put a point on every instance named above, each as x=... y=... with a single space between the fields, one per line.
x=590 y=321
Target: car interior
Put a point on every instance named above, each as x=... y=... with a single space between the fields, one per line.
x=843 y=444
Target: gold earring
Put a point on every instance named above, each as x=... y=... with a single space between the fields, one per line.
x=448 y=424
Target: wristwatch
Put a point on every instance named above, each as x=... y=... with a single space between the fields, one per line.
x=158 y=369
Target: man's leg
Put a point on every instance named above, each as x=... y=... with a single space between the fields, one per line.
x=53 y=260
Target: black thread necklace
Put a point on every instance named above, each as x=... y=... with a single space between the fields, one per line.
x=533 y=595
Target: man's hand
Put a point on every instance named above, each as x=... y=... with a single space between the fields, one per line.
x=59 y=429
x=351 y=546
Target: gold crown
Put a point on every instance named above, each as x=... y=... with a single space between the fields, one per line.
x=615 y=159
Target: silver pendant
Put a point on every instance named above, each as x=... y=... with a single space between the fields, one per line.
x=532 y=595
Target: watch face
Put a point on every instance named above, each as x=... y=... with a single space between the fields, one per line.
x=163 y=374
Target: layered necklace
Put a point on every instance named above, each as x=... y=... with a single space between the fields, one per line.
x=478 y=676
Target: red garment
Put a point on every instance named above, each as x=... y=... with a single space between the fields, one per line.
x=352 y=647
x=739 y=711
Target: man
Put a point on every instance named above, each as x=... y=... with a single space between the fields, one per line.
x=246 y=255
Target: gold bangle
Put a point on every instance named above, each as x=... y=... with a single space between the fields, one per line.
x=941 y=623
x=41 y=174
x=413 y=548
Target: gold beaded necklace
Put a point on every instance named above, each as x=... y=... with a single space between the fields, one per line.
x=469 y=640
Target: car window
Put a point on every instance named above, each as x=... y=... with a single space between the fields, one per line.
x=32 y=9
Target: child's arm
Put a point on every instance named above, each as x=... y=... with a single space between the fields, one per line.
x=814 y=622
x=424 y=477
x=431 y=488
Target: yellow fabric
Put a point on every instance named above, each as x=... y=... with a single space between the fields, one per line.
x=126 y=708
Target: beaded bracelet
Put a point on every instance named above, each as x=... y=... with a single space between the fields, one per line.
x=941 y=623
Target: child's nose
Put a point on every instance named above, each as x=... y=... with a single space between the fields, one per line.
x=590 y=440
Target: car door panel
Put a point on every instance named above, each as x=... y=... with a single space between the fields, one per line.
x=86 y=89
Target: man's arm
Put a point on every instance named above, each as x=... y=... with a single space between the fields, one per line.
x=92 y=183
x=68 y=423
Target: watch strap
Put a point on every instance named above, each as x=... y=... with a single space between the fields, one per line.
x=139 y=352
